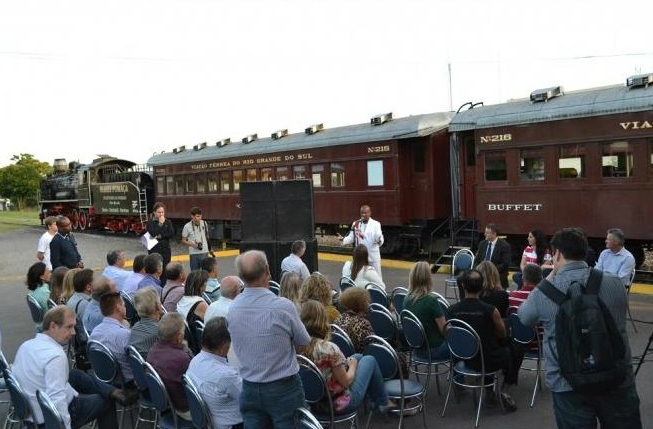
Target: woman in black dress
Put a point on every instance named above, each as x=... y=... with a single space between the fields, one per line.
x=161 y=228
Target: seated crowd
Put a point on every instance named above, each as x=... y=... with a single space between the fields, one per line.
x=244 y=324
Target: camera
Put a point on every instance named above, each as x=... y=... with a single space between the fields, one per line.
x=199 y=245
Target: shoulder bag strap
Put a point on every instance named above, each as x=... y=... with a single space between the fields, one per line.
x=594 y=281
x=552 y=292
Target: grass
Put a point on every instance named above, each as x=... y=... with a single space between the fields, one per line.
x=10 y=220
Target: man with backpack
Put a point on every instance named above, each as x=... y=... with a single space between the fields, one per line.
x=588 y=358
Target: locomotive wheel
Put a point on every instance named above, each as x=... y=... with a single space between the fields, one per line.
x=74 y=219
x=82 y=220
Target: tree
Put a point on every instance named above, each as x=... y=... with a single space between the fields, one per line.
x=20 y=181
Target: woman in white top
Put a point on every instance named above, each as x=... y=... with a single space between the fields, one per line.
x=359 y=269
x=192 y=306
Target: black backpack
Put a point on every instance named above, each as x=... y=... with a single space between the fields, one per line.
x=79 y=343
x=590 y=348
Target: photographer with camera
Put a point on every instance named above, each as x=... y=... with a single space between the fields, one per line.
x=195 y=235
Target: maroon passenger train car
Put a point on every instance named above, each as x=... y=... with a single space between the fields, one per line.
x=582 y=158
x=398 y=166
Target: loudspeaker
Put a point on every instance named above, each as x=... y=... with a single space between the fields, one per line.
x=294 y=210
x=257 y=211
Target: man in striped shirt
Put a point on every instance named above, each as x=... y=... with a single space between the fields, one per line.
x=265 y=332
x=531 y=277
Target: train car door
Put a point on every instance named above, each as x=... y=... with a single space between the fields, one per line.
x=468 y=175
x=413 y=180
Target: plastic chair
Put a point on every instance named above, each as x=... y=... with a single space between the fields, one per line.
x=462 y=260
x=377 y=294
x=396 y=386
x=420 y=349
x=136 y=363
x=197 y=330
x=274 y=287
x=51 y=417
x=21 y=407
x=315 y=391
x=106 y=369
x=464 y=344
x=630 y=316
x=305 y=420
x=166 y=416
x=51 y=303
x=198 y=410
x=340 y=338
x=132 y=315
x=35 y=310
x=206 y=298
x=525 y=336
x=346 y=283
x=383 y=322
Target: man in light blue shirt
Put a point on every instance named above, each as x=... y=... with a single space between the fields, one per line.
x=265 y=332
x=615 y=259
x=92 y=313
x=115 y=268
x=293 y=262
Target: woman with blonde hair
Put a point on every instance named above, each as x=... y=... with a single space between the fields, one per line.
x=291 y=284
x=426 y=308
x=492 y=292
x=68 y=285
x=318 y=288
x=349 y=380
x=58 y=286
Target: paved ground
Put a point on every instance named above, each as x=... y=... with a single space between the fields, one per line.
x=19 y=249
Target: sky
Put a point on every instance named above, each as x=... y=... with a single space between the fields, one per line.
x=134 y=78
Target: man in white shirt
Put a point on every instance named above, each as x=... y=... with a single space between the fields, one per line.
x=616 y=259
x=366 y=231
x=43 y=248
x=229 y=290
x=293 y=262
x=41 y=364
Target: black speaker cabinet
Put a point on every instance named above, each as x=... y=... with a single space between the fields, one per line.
x=257 y=211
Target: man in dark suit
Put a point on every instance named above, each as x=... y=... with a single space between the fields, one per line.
x=496 y=251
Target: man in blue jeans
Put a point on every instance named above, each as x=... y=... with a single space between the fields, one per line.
x=614 y=409
x=41 y=364
x=265 y=332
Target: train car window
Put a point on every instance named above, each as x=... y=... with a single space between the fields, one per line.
x=337 y=175
x=267 y=174
x=160 y=185
x=251 y=175
x=317 y=175
x=495 y=166
x=170 y=185
x=180 y=185
x=238 y=177
x=200 y=184
x=419 y=161
x=571 y=162
x=213 y=184
x=375 y=173
x=299 y=171
x=617 y=159
x=282 y=173
x=225 y=181
x=190 y=184
x=531 y=165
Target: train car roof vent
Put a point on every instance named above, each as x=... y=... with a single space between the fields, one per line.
x=250 y=138
x=223 y=142
x=546 y=94
x=316 y=128
x=279 y=134
x=381 y=119
x=199 y=146
x=179 y=149
x=639 y=80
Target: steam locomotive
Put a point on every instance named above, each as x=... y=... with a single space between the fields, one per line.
x=109 y=193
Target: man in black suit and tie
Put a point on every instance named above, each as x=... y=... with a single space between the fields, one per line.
x=496 y=251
